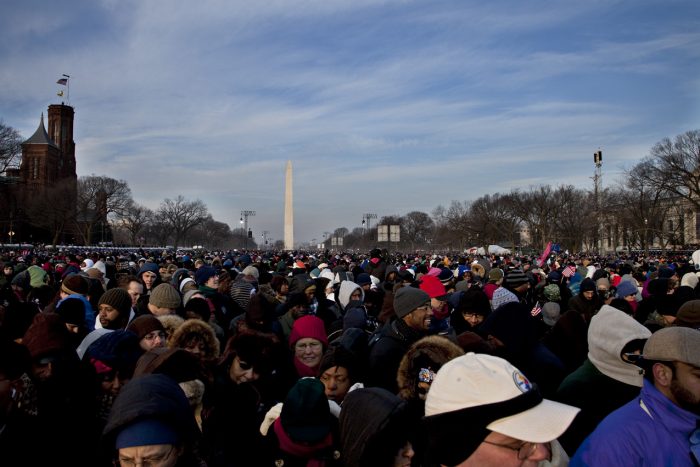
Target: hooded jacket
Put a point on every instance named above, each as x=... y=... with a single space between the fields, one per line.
x=346 y=290
x=604 y=382
x=610 y=330
x=648 y=430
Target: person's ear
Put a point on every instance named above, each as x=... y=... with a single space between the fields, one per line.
x=663 y=374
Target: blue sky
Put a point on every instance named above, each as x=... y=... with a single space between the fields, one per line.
x=383 y=106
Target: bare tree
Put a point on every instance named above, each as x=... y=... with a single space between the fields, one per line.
x=98 y=198
x=134 y=219
x=10 y=147
x=457 y=222
x=494 y=219
x=646 y=207
x=674 y=167
x=212 y=234
x=574 y=216
x=181 y=215
x=417 y=229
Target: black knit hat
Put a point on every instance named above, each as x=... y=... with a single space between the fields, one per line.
x=72 y=310
x=118 y=299
x=587 y=285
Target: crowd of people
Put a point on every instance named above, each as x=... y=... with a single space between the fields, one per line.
x=252 y=358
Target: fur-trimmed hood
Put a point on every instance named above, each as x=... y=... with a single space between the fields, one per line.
x=432 y=350
x=203 y=330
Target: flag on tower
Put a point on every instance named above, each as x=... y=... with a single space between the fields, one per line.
x=63 y=81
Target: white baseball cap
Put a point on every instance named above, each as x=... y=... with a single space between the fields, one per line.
x=475 y=380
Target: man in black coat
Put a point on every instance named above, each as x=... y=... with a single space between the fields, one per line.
x=413 y=312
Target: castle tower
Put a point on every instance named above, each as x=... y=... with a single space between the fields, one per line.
x=61 y=132
x=40 y=159
x=288 y=209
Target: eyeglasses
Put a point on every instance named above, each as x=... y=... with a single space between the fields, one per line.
x=525 y=450
x=151 y=336
x=311 y=345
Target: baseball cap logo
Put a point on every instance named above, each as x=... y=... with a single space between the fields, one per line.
x=521 y=381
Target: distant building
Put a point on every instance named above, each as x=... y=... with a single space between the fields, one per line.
x=48 y=159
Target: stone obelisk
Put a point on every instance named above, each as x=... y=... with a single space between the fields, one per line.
x=288 y=209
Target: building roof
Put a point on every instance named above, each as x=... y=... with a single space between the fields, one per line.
x=40 y=136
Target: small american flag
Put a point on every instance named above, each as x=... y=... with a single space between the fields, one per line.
x=568 y=271
x=537 y=310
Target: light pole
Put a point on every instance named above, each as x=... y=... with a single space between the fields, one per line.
x=264 y=236
x=366 y=218
x=244 y=220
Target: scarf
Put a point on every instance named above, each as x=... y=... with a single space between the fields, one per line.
x=305 y=451
x=304 y=370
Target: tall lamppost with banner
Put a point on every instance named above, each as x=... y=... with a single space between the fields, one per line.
x=244 y=220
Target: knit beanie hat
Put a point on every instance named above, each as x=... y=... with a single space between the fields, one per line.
x=204 y=273
x=587 y=285
x=552 y=292
x=495 y=275
x=308 y=326
x=625 y=288
x=144 y=325
x=118 y=299
x=515 y=278
x=119 y=350
x=72 y=310
x=689 y=315
x=251 y=271
x=46 y=335
x=165 y=296
x=306 y=416
x=363 y=279
x=408 y=299
x=149 y=266
x=433 y=287
x=501 y=296
x=75 y=284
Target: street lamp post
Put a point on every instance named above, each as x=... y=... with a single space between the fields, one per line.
x=244 y=220
x=366 y=218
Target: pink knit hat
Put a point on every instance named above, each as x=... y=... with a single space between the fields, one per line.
x=308 y=326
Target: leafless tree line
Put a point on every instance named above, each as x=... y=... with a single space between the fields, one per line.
x=654 y=204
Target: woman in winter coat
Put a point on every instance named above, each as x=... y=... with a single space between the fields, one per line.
x=238 y=399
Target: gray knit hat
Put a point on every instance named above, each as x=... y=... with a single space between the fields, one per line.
x=165 y=296
x=408 y=299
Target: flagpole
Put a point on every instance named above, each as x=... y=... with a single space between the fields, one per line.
x=67 y=88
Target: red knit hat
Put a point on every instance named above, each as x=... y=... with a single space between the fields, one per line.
x=308 y=326
x=433 y=287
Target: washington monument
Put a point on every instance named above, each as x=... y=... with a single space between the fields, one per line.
x=288 y=209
